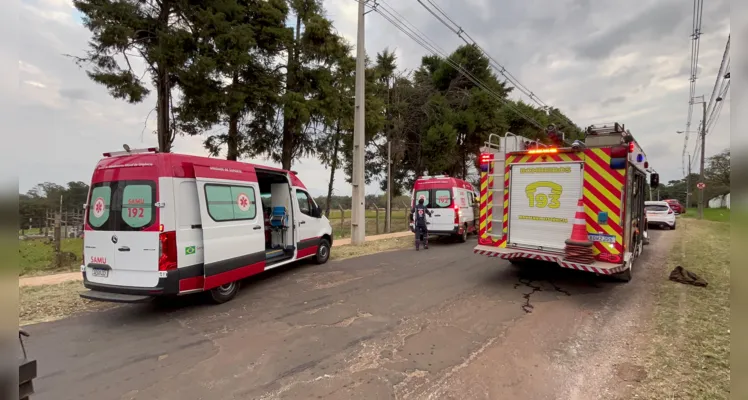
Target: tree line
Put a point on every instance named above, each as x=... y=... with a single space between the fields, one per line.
x=35 y=203
x=716 y=178
x=273 y=78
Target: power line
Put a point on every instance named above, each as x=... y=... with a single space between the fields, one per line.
x=717 y=109
x=723 y=68
x=698 y=6
x=462 y=34
x=401 y=23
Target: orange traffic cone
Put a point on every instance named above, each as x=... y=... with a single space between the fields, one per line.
x=578 y=246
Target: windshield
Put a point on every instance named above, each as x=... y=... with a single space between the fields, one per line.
x=656 y=207
x=122 y=205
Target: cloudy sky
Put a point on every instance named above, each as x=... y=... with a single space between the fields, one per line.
x=599 y=61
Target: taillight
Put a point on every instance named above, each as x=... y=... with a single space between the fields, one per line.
x=457 y=214
x=670 y=211
x=167 y=259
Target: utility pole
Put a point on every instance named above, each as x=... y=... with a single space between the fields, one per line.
x=388 y=221
x=701 y=173
x=358 y=208
x=688 y=182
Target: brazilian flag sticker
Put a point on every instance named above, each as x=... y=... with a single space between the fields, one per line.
x=189 y=250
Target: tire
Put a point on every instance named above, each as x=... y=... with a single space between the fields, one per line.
x=463 y=237
x=625 y=275
x=224 y=293
x=323 y=252
x=673 y=228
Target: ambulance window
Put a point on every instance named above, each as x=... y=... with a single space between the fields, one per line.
x=443 y=198
x=230 y=203
x=98 y=208
x=305 y=204
x=137 y=205
x=422 y=194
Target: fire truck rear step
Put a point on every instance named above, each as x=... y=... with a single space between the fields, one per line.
x=599 y=267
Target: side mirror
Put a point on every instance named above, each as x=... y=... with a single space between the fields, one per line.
x=654 y=180
x=317 y=212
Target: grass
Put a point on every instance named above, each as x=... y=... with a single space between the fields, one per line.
x=689 y=357
x=335 y=214
x=52 y=302
x=38 y=256
x=342 y=229
x=377 y=246
x=710 y=214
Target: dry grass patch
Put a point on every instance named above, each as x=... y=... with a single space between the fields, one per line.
x=689 y=354
x=377 y=246
x=52 y=302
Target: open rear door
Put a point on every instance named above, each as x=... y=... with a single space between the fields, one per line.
x=232 y=222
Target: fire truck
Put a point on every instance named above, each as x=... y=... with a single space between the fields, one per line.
x=581 y=207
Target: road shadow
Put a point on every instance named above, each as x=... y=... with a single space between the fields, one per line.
x=534 y=281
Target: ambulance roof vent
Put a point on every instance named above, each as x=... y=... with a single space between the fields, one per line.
x=433 y=176
x=128 y=151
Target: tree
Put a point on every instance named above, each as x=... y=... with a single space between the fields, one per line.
x=310 y=55
x=150 y=30
x=717 y=173
x=231 y=76
x=337 y=121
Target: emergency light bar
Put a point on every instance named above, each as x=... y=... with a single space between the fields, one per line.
x=131 y=151
x=551 y=150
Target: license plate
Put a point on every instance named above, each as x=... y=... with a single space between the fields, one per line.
x=602 y=238
x=99 y=273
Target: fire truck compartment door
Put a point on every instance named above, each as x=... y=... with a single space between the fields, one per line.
x=542 y=203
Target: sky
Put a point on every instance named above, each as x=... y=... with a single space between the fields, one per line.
x=598 y=61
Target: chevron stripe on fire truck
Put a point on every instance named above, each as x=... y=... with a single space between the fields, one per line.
x=550 y=258
x=603 y=192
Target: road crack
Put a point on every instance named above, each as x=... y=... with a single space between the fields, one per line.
x=528 y=307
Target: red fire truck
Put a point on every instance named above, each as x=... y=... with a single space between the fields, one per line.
x=581 y=207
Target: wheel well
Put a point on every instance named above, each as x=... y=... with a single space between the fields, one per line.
x=328 y=237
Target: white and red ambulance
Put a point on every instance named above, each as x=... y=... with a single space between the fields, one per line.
x=453 y=204
x=161 y=224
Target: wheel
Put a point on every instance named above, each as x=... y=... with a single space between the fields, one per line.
x=464 y=235
x=625 y=275
x=224 y=293
x=673 y=228
x=323 y=252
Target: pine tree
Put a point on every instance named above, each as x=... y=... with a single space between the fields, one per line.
x=232 y=77
x=148 y=30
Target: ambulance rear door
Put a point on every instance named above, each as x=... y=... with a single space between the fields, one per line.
x=542 y=204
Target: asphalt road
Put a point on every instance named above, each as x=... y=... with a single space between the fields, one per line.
x=442 y=324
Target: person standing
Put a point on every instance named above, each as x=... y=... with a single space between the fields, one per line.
x=418 y=215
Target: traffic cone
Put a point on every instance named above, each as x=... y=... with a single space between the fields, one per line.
x=578 y=246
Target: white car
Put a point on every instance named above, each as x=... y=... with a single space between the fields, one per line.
x=659 y=214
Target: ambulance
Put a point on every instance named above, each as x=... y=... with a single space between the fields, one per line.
x=452 y=202
x=165 y=224
x=581 y=207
